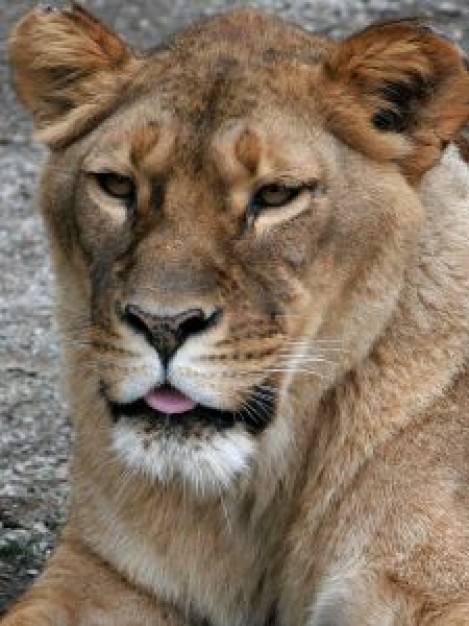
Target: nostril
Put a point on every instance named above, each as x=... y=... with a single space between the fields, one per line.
x=190 y=322
x=194 y=321
x=138 y=319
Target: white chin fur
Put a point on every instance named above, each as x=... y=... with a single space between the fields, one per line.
x=208 y=467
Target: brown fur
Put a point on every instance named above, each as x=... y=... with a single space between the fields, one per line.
x=463 y=145
x=350 y=505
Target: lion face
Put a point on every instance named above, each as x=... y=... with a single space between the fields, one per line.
x=218 y=230
x=197 y=255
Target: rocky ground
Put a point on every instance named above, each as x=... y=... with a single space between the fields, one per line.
x=35 y=434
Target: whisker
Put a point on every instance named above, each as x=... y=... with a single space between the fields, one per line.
x=252 y=416
x=310 y=350
x=259 y=410
x=262 y=395
x=298 y=372
x=152 y=289
x=298 y=358
x=225 y=511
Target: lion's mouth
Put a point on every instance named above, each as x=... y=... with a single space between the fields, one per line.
x=169 y=401
x=168 y=407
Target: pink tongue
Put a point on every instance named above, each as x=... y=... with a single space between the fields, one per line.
x=169 y=400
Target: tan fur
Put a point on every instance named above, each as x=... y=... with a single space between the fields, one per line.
x=350 y=505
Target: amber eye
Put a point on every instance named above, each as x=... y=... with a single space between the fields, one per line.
x=270 y=197
x=275 y=195
x=116 y=185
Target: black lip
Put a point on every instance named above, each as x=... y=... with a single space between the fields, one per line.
x=254 y=420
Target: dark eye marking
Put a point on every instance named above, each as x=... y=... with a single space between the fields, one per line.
x=116 y=185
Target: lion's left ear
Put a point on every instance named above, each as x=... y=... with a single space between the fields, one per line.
x=397 y=91
x=68 y=70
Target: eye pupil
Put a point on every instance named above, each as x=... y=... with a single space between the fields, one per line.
x=116 y=185
x=275 y=195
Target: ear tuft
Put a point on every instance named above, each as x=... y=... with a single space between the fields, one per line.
x=398 y=91
x=68 y=68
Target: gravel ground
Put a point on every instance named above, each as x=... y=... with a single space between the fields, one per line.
x=35 y=434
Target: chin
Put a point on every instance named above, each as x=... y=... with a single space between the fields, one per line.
x=205 y=450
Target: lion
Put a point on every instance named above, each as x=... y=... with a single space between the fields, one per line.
x=261 y=245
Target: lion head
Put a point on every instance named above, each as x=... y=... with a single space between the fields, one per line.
x=231 y=217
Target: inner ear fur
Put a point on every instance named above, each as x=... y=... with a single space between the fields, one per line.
x=397 y=91
x=68 y=70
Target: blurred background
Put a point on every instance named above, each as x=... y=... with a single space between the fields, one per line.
x=35 y=434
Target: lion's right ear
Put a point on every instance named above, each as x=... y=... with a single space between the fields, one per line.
x=398 y=92
x=68 y=70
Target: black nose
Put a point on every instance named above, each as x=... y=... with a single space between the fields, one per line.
x=166 y=333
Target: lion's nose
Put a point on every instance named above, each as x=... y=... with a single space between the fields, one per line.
x=166 y=333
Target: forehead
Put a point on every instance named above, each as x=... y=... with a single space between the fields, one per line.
x=228 y=65
x=208 y=90
x=199 y=95
x=153 y=139
x=242 y=64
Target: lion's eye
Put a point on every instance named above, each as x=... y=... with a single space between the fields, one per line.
x=116 y=185
x=271 y=196
x=275 y=195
